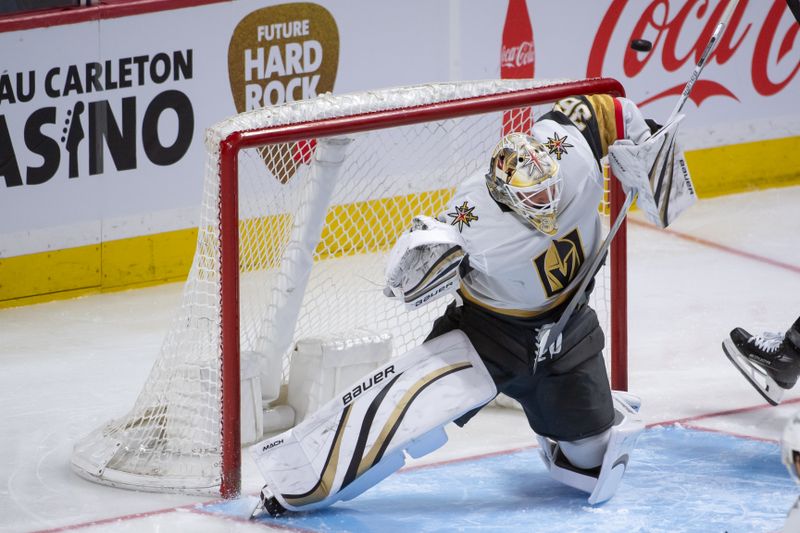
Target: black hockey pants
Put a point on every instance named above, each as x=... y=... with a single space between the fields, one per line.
x=568 y=398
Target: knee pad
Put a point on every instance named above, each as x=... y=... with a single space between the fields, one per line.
x=601 y=481
x=359 y=438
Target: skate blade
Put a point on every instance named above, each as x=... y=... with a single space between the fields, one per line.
x=758 y=378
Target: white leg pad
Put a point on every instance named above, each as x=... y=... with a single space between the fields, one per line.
x=600 y=482
x=620 y=446
x=359 y=437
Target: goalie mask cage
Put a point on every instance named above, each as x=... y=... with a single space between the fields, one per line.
x=301 y=204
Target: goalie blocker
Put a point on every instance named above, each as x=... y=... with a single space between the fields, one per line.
x=656 y=171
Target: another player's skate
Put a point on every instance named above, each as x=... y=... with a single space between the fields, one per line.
x=769 y=361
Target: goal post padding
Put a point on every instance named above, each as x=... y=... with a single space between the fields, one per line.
x=289 y=247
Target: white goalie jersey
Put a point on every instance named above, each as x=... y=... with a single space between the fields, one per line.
x=517 y=270
x=520 y=267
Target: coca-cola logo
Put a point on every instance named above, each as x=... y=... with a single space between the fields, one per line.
x=666 y=23
x=518 y=56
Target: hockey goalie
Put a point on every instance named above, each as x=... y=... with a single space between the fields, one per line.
x=511 y=250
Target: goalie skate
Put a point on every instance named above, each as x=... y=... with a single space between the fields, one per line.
x=267 y=504
x=602 y=481
x=758 y=377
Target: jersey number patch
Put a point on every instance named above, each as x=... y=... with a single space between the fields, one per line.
x=560 y=263
x=576 y=110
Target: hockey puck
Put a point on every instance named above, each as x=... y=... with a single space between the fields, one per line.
x=641 y=45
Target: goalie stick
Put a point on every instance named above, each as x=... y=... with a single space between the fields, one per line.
x=549 y=336
x=712 y=43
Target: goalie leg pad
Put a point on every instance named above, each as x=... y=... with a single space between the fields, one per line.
x=600 y=482
x=359 y=438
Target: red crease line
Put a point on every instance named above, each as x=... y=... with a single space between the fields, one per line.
x=717 y=246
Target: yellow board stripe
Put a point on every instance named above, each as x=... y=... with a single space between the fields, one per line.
x=745 y=167
x=110 y=266
x=165 y=257
x=50 y=272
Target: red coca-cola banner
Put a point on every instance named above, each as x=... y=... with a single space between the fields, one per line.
x=517 y=60
x=762 y=36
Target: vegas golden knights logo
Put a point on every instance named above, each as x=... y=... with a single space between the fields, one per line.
x=560 y=263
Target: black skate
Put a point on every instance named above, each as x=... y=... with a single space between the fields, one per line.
x=769 y=361
x=267 y=504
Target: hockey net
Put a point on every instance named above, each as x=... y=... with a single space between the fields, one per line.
x=292 y=243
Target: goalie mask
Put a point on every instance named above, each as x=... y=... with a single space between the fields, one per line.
x=790 y=447
x=524 y=177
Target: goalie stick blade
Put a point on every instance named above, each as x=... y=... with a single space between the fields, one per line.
x=758 y=378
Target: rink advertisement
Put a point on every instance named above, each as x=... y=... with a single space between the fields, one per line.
x=756 y=60
x=92 y=119
x=101 y=140
x=283 y=54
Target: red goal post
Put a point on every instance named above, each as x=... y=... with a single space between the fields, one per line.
x=215 y=290
x=229 y=150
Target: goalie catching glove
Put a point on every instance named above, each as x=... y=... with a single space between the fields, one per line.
x=656 y=171
x=424 y=263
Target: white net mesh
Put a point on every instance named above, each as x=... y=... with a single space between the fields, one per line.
x=293 y=214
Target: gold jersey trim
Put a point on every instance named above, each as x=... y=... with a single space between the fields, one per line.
x=517 y=313
x=603 y=106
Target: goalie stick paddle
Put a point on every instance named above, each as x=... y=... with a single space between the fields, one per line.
x=548 y=339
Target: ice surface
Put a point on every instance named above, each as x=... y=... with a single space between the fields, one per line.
x=67 y=366
x=678 y=480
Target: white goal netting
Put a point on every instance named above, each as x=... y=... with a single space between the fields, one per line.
x=312 y=245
